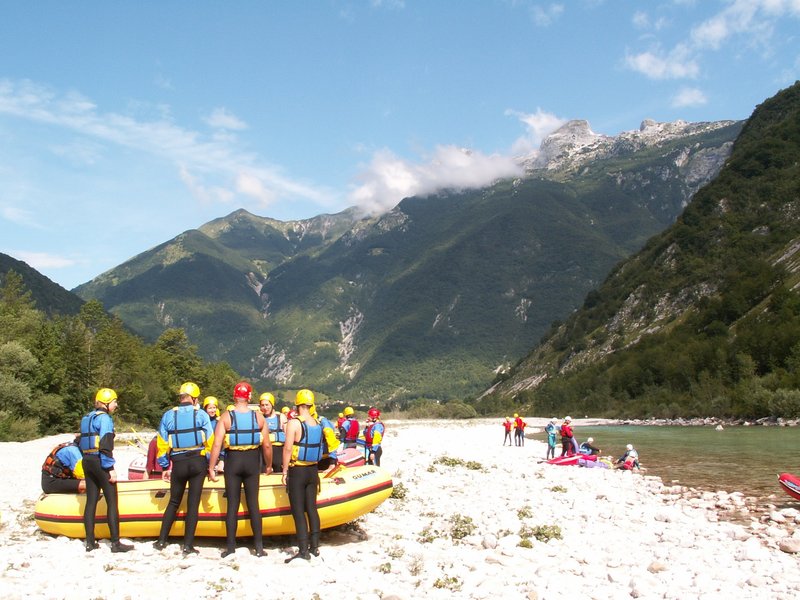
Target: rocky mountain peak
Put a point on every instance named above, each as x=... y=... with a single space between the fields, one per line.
x=574 y=144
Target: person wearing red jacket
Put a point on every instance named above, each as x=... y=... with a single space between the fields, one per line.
x=567 y=448
x=507 y=424
x=351 y=428
x=519 y=431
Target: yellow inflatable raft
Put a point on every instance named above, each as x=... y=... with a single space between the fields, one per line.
x=345 y=494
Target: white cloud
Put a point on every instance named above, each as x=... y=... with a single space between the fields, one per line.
x=749 y=21
x=689 y=97
x=538 y=126
x=250 y=185
x=545 y=15
x=677 y=64
x=19 y=216
x=42 y=260
x=210 y=166
x=220 y=118
x=641 y=20
x=389 y=178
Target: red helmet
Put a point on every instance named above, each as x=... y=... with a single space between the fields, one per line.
x=243 y=390
x=374 y=413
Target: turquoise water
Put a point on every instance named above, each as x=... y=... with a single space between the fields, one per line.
x=743 y=459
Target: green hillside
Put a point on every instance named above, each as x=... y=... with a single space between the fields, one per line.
x=705 y=320
x=431 y=300
x=47 y=296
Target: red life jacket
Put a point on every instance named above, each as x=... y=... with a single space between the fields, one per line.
x=368 y=433
x=352 y=432
x=55 y=467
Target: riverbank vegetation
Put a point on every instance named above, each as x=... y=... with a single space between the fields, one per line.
x=50 y=367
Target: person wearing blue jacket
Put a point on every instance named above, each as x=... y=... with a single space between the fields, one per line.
x=551 y=429
x=97 y=445
x=62 y=470
x=184 y=442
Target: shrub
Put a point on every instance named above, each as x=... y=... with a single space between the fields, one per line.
x=461 y=527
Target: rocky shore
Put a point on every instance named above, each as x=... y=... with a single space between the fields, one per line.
x=469 y=519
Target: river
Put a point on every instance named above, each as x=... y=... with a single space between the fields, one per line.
x=736 y=459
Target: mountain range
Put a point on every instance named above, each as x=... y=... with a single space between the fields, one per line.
x=434 y=299
x=705 y=318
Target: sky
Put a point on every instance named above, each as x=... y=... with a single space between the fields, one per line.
x=124 y=124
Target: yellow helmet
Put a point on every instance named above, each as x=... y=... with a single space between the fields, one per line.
x=304 y=397
x=285 y=410
x=210 y=400
x=190 y=388
x=341 y=415
x=105 y=395
x=348 y=411
x=267 y=396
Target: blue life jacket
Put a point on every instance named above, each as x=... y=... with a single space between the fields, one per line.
x=90 y=432
x=186 y=433
x=274 y=426
x=242 y=434
x=309 y=448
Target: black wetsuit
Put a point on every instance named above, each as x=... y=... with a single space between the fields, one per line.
x=185 y=469
x=98 y=478
x=302 y=483
x=242 y=467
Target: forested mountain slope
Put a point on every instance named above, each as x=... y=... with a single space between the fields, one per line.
x=705 y=320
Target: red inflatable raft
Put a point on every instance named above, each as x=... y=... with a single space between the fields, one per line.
x=790 y=484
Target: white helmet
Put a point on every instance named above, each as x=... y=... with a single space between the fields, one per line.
x=629 y=447
x=568 y=418
x=590 y=440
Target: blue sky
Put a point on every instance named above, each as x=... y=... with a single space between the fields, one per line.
x=123 y=124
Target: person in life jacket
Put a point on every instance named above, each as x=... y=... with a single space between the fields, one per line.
x=301 y=453
x=184 y=441
x=350 y=428
x=589 y=448
x=244 y=434
x=97 y=445
x=507 y=425
x=211 y=406
x=519 y=430
x=276 y=424
x=629 y=460
x=551 y=429
x=567 y=448
x=339 y=422
x=373 y=436
x=330 y=443
x=62 y=470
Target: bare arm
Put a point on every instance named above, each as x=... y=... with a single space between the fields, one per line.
x=219 y=437
x=266 y=445
x=293 y=432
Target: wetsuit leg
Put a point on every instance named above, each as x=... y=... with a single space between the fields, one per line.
x=277 y=459
x=196 y=472
x=296 y=488
x=98 y=479
x=177 y=486
x=58 y=485
x=233 y=492
x=377 y=460
x=311 y=489
x=251 y=479
x=91 y=466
